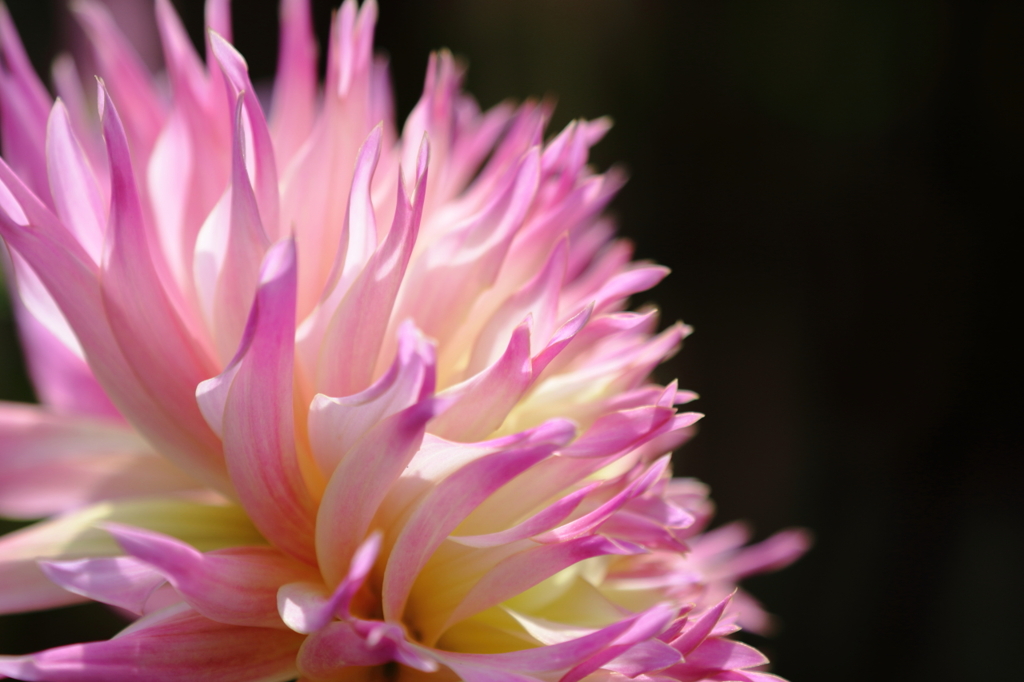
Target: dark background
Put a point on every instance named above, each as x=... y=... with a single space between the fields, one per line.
x=834 y=184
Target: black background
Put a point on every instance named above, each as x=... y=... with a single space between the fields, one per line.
x=836 y=187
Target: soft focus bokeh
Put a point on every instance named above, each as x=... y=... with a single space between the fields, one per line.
x=836 y=186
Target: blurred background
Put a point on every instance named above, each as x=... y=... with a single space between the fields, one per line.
x=834 y=184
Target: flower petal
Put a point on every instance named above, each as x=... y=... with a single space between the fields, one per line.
x=264 y=181
x=353 y=339
x=124 y=582
x=305 y=607
x=52 y=463
x=23 y=587
x=71 y=278
x=24 y=103
x=336 y=425
x=451 y=500
x=259 y=429
x=76 y=193
x=295 y=87
x=521 y=571
x=184 y=646
x=481 y=403
x=237 y=586
x=361 y=481
x=125 y=75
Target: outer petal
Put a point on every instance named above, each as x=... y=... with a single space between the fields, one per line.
x=62 y=378
x=23 y=587
x=518 y=573
x=304 y=607
x=154 y=339
x=24 y=102
x=70 y=276
x=558 y=657
x=120 y=581
x=543 y=520
x=51 y=464
x=264 y=173
x=229 y=249
x=184 y=646
x=327 y=653
x=446 y=280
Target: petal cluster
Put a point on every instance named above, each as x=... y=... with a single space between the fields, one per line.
x=329 y=399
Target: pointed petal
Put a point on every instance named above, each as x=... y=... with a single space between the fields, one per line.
x=558 y=657
x=591 y=520
x=24 y=103
x=62 y=378
x=76 y=193
x=648 y=625
x=258 y=421
x=642 y=658
x=328 y=652
x=265 y=184
x=701 y=628
x=538 y=298
x=527 y=568
x=357 y=328
x=305 y=607
x=446 y=280
x=71 y=278
x=124 y=582
x=543 y=520
x=242 y=245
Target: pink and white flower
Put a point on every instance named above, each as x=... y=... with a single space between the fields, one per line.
x=325 y=400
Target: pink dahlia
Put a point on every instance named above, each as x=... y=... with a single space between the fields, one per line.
x=325 y=400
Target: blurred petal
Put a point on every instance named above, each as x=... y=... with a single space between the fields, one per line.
x=52 y=464
x=184 y=646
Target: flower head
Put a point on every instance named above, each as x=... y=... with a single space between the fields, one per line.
x=323 y=399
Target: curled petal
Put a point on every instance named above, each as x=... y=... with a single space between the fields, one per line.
x=305 y=608
x=336 y=425
x=237 y=586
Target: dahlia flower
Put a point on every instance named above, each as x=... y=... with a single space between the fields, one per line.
x=327 y=401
